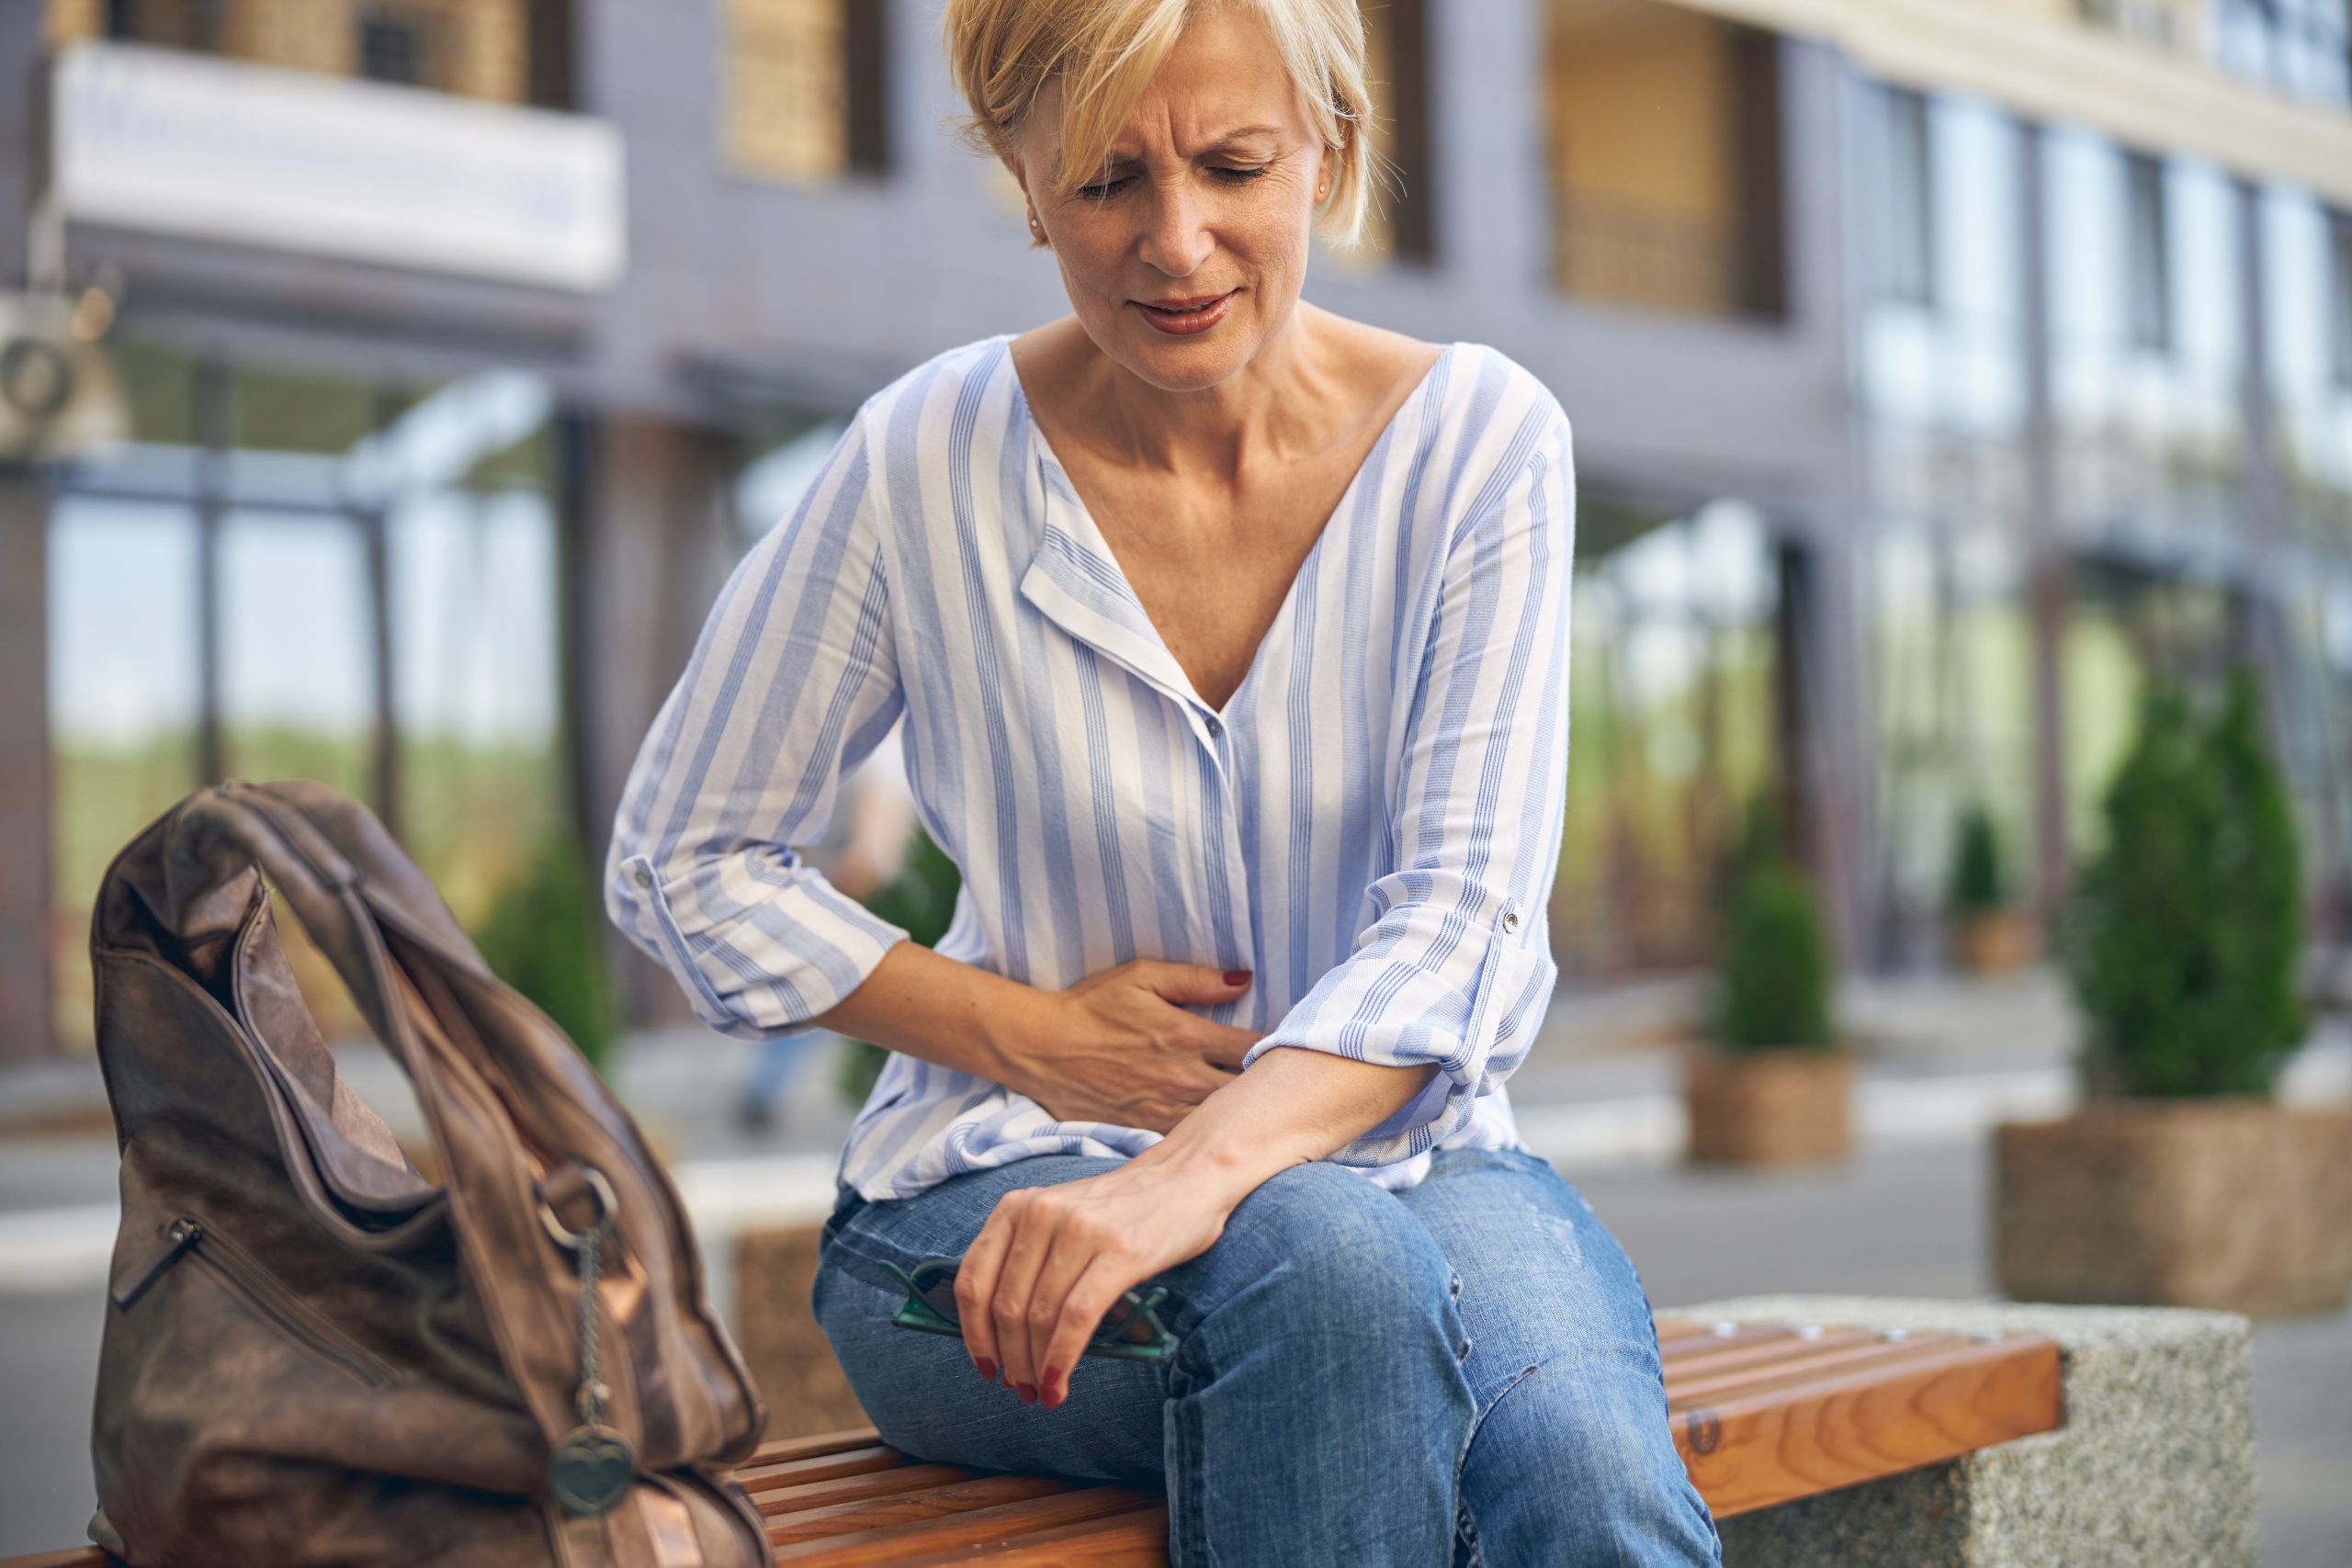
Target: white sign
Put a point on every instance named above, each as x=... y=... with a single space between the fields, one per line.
x=190 y=143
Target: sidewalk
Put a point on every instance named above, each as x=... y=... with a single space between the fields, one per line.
x=1943 y=1060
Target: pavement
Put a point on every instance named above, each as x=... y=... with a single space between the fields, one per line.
x=1942 y=1060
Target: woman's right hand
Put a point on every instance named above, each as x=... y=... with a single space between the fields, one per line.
x=1122 y=1048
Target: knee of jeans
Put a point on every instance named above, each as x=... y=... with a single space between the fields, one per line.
x=1346 y=1251
x=1600 y=1418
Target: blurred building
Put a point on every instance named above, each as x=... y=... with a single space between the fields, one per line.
x=1942 y=370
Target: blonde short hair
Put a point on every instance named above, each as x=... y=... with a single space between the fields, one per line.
x=1002 y=52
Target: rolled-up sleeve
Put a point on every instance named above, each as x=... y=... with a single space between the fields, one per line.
x=1453 y=961
x=793 y=682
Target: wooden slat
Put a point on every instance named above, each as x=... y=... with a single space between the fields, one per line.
x=1815 y=1374
x=954 y=1497
x=1843 y=1424
x=1758 y=1353
x=819 y=1466
x=1004 y=1522
x=1700 y=1346
x=783 y=1449
x=1794 y=1369
x=781 y=1500
x=71 y=1557
x=1134 y=1540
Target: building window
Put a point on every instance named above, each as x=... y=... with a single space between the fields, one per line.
x=2159 y=22
x=2300 y=47
x=1663 y=131
x=1396 y=62
x=805 y=84
x=392 y=48
x=1907 y=198
x=2339 y=294
x=2147 y=258
x=502 y=50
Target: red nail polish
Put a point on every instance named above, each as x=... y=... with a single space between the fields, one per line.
x=1056 y=1390
x=988 y=1369
x=1028 y=1393
x=1236 y=976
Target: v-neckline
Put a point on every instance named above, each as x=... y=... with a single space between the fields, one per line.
x=1096 y=543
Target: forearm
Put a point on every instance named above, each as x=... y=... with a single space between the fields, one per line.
x=1292 y=1106
x=942 y=1010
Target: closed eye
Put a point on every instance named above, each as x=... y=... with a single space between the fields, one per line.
x=1109 y=188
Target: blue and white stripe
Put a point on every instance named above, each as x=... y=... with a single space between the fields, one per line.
x=1371 y=823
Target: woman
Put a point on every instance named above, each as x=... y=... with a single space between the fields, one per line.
x=1231 y=641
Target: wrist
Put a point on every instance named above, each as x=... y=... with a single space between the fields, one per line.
x=1017 y=1028
x=1224 y=1152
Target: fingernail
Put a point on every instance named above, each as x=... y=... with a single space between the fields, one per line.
x=1056 y=1390
x=1236 y=976
x=988 y=1369
x=1028 y=1393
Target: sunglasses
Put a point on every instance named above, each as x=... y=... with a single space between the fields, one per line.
x=1131 y=1330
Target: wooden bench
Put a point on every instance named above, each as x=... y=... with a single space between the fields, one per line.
x=1762 y=1413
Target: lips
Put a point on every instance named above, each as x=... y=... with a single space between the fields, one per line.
x=1187 y=318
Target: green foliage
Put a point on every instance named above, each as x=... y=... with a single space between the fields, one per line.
x=922 y=900
x=1978 y=881
x=542 y=936
x=1761 y=842
x=1772 y=988
x=2184 y=934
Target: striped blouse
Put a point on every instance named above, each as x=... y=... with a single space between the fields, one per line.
x=1371 y=823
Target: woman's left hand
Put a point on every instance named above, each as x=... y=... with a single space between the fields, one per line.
x=1051 y=1260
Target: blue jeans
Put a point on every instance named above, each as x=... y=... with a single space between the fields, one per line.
x=1463 y=1372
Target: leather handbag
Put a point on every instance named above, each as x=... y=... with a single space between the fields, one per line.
x=313 y=1353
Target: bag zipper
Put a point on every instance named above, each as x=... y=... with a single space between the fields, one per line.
x=267 y=1294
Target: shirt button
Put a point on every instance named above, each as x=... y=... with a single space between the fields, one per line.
x=644 y=877
x=1510 y=919
x=1214 y=728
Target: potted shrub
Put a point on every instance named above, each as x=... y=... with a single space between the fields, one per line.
x=1988 y=936
x=543 y=935
x=2181 y=1180
x=1773 y=1085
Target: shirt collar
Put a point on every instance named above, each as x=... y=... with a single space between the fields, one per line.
x=1075 y=583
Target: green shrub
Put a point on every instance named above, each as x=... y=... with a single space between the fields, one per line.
x=1978 y=882
x=2184 y=934
x=544 y=937
x=922 y=900
x=1772 y=987
x=1760 y=842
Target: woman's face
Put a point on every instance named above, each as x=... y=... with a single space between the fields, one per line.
x=1209 y=195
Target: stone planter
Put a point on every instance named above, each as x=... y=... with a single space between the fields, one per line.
x=2233 y=1202
x=1993 y=941
x=1789 y=1105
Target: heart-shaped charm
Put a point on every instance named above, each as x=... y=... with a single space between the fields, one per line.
x=593 y=1468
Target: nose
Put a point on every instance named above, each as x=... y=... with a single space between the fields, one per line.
x=1176 y=241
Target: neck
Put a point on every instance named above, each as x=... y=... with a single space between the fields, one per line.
x=1269 y=412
